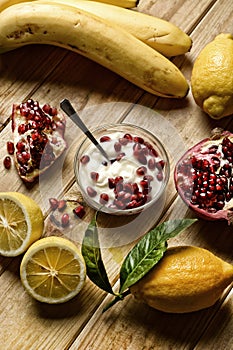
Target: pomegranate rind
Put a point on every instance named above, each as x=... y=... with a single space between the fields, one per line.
x=223 y=214
x=51 y=133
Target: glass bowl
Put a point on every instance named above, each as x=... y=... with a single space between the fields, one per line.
x=135 y=178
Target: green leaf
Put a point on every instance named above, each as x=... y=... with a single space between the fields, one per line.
x=93 y=259
x=149 y=250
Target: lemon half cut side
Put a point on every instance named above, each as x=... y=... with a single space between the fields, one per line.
x=21 y=223
x=53 y=270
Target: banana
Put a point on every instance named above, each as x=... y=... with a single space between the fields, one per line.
x=6 y=3
x=97 y=39
x=162 y=35
x=122 y=3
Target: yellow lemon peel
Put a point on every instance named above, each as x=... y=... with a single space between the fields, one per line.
x=186 y=279
x=212 y=77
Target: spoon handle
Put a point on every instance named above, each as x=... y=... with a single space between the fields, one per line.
x=69 y=110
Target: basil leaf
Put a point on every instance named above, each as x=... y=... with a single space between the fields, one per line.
x=149 y=250
x=93 y=259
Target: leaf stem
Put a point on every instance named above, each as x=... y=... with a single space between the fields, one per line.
x=118 y=297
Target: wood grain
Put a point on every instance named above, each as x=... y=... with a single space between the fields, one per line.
x=49 y=74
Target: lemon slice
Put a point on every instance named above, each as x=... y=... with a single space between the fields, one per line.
x=53 y=270
x=21 y=223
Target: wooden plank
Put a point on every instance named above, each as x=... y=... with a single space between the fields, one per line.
x=27 y=324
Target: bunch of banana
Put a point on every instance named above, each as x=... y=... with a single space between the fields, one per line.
x=122 y=3
x=162 y=35
x=48 y=22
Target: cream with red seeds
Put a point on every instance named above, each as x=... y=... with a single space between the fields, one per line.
x=130 y=180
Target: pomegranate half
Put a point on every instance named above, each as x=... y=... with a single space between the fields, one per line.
x=204 y=177
x=38 y=133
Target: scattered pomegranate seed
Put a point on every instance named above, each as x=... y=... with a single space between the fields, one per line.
x=7 y=162
x=61 y=205
x=65 y=220
x=53 y=203
x=10 y=147
x=79 y=211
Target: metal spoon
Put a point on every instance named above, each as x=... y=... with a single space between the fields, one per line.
x=69 y=110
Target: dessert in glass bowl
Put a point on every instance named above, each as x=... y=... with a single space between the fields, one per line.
x=134 y=177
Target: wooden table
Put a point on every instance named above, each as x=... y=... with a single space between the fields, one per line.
x=49 y=74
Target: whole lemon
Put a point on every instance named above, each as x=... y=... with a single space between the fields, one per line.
x=212 y=77
x=186 y=279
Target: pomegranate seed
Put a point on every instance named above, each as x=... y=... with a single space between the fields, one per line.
x=119 y=187
x=94 y=176
x=138 y=139
x=127 y=197
x=160 y=176
x=117 y=146
x=91 y=191
x=105 y=139
x=128 y=137
x=10 y=147
x=151 y=164
x=79 y=211
x=21 y=129
x=144 y=184
x=128 y=188
x=135 y=188
x=123 y=141
x=20 y=146
x=153 y=152
x=131 y=205
x=7 y=162
x=85 y=159
x=141 y=171
x=65 y=220
x=46 y=108
x=53 y=203
x=145 y=151
x=118 y=179
x=142 y=158
x=104 y=198
x=119 y=204
x=148 y=178
x=53 y=111
x=111 y=183
x=137 y=147
x=61 y=205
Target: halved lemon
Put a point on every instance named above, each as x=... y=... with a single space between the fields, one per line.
x=21 y=223
x=53 y=270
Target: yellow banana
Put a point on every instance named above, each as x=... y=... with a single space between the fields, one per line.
x=7 y=3
x=162 y=35
x=92 y=37
x=122 y=3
